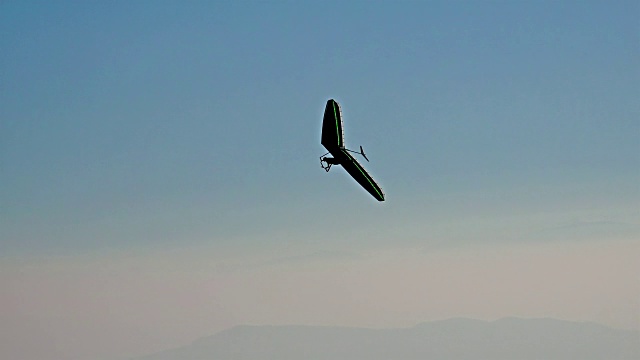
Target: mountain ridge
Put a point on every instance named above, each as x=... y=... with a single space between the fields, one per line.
x=456 y=338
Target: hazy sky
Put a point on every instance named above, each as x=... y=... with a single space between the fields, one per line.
x=159 y=173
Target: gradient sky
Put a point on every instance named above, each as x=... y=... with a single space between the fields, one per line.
x=159 y=173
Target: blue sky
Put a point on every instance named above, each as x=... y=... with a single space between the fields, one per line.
x=143 y=127
x=135 y=114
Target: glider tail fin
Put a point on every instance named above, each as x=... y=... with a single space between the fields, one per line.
x=362 y=153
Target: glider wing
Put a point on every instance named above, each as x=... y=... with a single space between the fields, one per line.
x=332 y=130
x=356 y=171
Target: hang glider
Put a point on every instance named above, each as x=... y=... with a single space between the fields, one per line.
x=333 y=140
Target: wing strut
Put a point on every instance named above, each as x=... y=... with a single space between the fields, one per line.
x=361 y=153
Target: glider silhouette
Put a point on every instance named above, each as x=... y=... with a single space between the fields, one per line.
x=333 y=141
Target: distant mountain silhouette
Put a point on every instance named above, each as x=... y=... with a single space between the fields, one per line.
x=508 y=339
